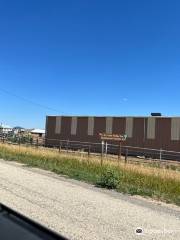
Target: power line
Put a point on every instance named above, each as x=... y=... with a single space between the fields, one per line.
x=30 y=101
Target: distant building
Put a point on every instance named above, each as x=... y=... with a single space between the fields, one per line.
x=38 y=132
x=18 y=130
x=5 y=129
x=155 y=132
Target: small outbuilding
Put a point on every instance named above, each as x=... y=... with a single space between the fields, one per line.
x=38 y=132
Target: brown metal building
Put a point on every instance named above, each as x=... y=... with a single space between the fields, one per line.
x=145 y=132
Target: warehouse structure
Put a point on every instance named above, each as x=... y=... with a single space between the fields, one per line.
x=144 y=132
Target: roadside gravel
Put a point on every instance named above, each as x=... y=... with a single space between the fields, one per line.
x=80 y=211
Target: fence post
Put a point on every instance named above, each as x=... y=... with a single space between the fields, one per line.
x=106 y=148
x=160 y=154
x=126 y=156
x=67 y=145
x=102 y=152
x=59 y=146
x=89 y=150
x=37 y=142
x=119 y=156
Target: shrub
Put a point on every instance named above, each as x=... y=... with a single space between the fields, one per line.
x=109 y=179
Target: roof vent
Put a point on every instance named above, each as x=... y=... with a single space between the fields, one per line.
x=156 y=114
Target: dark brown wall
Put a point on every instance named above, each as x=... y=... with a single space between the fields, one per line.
x=82 y=127
x=138 y=133
x=119 y=125
x=99 y=126
x=50 y=131
x=65 y=128
x=163 y=134
x=50 y=127
x=139 y=139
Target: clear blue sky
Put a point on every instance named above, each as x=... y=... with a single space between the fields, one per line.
x=88 y=57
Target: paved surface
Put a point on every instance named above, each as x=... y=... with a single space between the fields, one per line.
x=81 y=211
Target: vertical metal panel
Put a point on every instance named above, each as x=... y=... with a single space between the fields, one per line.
x=109 y=124
x=90 y=126
x=46 y=130
x=151 y=128
x=73 y=125
x=99 y=127
x=129 y=127
x=137 y=138
x=50 y=131
x=58 y=125
x=175 y=129
x=119 y=125
x=65 y=127
x=82 y=128
x=165 y=133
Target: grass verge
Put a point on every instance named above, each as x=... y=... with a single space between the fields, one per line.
x=161 y=184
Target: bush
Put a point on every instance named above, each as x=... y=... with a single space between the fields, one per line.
x=109 y=179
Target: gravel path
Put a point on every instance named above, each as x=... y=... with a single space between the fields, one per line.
x=80 y=211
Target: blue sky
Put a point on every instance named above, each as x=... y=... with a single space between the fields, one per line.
x=88 y=57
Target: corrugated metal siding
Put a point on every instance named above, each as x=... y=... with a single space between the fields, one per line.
x=129 y=127
x=167 y=130
x=165 y=124
x=99 y=127
x=151 y=128
x=81 y=134
x=163 y=134
x=119 y=125
x=175 y=129
x=58 y=125
x=109 y=124
x=50 y=125
x=65 y=127
x=90 y=131
x=73 y=125
x=138 y=133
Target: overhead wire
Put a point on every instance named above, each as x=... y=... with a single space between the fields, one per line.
x=30 y=101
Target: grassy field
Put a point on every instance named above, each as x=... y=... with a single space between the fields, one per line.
x=161 y=184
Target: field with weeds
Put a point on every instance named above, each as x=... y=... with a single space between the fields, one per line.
x=136 y=179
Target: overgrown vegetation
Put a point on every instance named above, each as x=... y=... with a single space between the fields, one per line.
x=161 y=184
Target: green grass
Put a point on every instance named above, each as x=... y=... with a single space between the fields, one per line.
x=131 y=180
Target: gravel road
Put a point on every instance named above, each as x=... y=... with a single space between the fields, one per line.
x=80 y=211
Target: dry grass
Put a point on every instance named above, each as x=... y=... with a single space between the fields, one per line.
x=54 y=153
x=140 y=179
